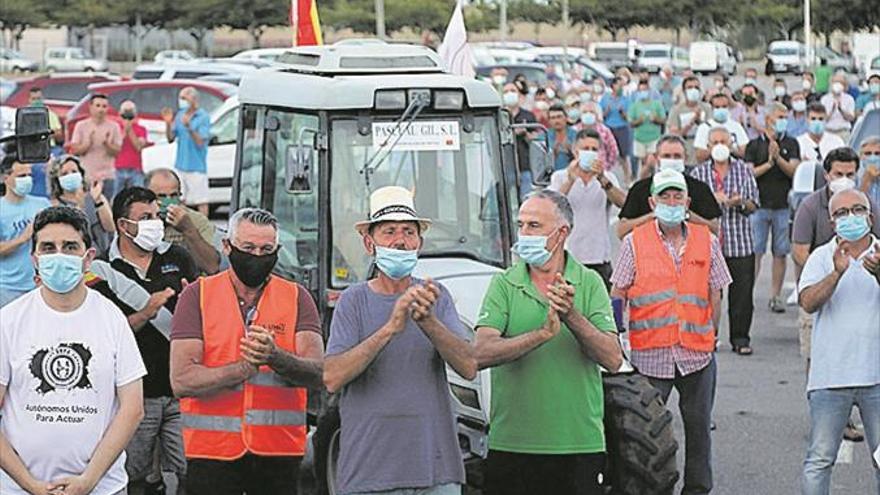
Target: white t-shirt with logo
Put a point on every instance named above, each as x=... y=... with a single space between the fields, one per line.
x=61 y=371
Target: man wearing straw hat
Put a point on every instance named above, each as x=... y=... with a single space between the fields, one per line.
x=390 y=340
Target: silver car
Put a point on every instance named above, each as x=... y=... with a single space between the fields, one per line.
x=72 y=59
x=13 y=61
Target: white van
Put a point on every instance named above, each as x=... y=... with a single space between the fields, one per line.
x=707 y=57
x=655 y=56
x=614 y=54
x=787 y=56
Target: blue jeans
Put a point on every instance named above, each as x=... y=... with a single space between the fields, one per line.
x=766 y=222
x=447 y=489
x=127 y=177
x=696 y=399
x=829 y=413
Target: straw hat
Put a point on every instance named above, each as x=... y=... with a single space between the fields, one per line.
x=392 y=204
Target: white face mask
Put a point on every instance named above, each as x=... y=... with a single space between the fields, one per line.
x=499 y=80
x=720 y=153
x=511 y=98
x=550 y=93
x=799 y=105
x=599 y=90
x=676 y=164
x=542 y=105
x=837 y=88
x=150 y=234
x=807 y=84
x=841 y=184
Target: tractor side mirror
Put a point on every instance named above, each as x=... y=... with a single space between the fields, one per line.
x=32 y=134
x=299 y=163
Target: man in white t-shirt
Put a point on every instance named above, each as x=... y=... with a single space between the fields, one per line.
x=815 y=144
x=591 y=192
x=70 y=373
x=720 y=118
x=841 y=107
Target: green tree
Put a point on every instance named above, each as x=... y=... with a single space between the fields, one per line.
x=18 y=15
x=535 y=12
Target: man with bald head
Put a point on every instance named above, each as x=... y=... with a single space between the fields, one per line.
x=839 y=286
x=191 y=127
x=184 y=227
x=129 y=165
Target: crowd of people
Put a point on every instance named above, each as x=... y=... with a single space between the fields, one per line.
x=129 y=325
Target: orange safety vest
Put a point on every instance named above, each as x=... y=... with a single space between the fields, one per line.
x=265 y=415
x=668 y=307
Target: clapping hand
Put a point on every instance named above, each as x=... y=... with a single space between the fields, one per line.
x=424 y=298
x=258 y=347
x=561 y=296
x=841 y=257
x=872 y=262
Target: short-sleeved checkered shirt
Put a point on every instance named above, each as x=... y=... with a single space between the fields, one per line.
x=662 y=363
x=736 y=228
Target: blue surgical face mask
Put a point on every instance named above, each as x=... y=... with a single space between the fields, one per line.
x=643 y=95
x=872 y=161
x=817 y=127
x=588 y=118
x=852 y=227
x=23 y=185
x=874 y=88
x=182 y=104
x=532 y=249
x=720 y=115
x=574 y=115
x=396 y=263
x=60 y=273
x=71 y=182
x=670 y=215
x=780 y=126
x=586 y=159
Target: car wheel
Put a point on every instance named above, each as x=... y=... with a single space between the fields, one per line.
x=90 y=69
x=326 y=444
x=50 y=68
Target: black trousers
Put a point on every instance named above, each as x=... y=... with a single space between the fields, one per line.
x=251 y=474
x=740 y=298
x=509 y=473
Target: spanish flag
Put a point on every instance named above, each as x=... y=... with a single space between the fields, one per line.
x=305 y=23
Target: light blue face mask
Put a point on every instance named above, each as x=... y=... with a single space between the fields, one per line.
x=23 y=185
x=872 y=161
x=182 y=104
x=574 y=114
x=781 y=126
x=670 y=215
x=60 y=273
x=532 y=249
x=396 y=263
x=852 y=227
x=71 y=182
x=586 y=158
x=588 y=118
x=720 y=115
x=817 y=127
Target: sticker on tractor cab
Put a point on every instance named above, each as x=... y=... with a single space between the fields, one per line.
x=418 y=136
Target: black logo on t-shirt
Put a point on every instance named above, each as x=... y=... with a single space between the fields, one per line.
x=63 y=367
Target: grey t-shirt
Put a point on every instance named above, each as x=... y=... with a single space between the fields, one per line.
x=398 y=430
x=812 y=222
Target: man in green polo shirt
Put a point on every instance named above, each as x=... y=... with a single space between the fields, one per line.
x=546 y=326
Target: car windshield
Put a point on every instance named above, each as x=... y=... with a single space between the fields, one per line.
x=783 y=50
x=656 y=53
x=453 y=168
x=876 y=63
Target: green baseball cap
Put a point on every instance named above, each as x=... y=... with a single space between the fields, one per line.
x=666 y=179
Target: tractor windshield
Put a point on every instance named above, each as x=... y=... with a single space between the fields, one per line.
x=451 y=164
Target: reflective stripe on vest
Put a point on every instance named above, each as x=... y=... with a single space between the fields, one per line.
x=265 y=415
x=669 y=306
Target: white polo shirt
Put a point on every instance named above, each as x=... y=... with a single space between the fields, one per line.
x=846 y=329
x=589 y=241
x=810 y=151
x=738 y=136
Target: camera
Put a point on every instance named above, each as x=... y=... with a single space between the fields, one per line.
x=30 y=142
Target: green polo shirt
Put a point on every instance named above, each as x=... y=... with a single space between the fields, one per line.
x=549 y=401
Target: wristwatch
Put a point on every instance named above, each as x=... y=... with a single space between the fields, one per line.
x=607 y=185
x=687 y=216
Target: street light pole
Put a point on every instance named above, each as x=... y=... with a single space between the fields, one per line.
x=503 y=23
x=808 y=33
x=565 y=34
x=380 y=19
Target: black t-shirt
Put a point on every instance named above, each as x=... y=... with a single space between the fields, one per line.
x=774 y=185
x=523 y=116
x=166 y=270
x=702 y=200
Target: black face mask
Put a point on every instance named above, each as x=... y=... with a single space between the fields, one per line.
x=749 y=100
x=251 y=269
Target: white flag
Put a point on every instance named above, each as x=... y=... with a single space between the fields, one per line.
x=455 y=51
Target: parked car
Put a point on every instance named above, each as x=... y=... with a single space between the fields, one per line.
x=13 y=61
x=61 y=91
x=173 y=56
x=266 y=54
x=874 y=68
x=709 y=57
x=188 y=70
x=221 y=153
x=614 y=54
x=655 y=56
x=151 y=97
x=786 y=56
x=534 y=72
x=590 y=69
x=7 y=121
x=72 y=59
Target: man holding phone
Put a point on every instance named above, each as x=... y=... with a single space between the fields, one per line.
x=129 y=166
